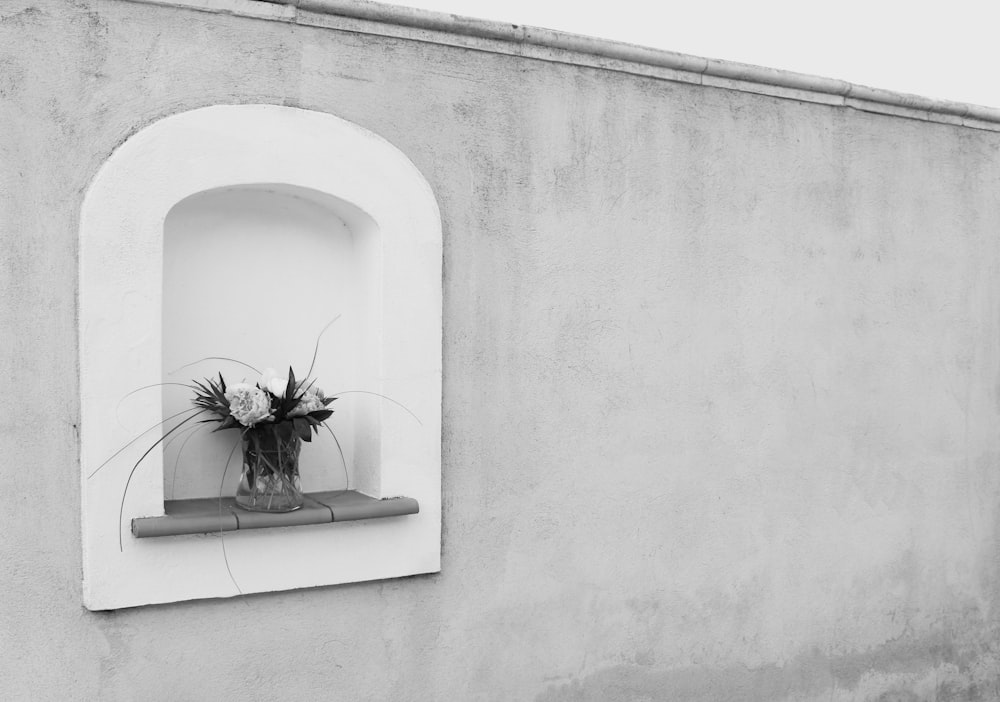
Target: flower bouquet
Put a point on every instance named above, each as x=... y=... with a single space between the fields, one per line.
x=274 y=417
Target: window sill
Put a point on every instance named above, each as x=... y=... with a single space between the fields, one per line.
x=209 y=515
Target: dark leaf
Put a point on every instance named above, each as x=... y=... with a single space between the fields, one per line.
x=302 y=428
x=227 y=423
x=289 y=401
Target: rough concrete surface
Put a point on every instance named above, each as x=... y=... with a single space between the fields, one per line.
x=721 y=391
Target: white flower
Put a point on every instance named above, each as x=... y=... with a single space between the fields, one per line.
x=277 y=386
x=249 y=405
x=273 y=383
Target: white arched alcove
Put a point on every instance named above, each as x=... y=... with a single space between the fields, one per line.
x=320 y=259
x=239 y=231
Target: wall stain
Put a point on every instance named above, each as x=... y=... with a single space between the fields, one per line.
x=937 y=668
x=22 y=17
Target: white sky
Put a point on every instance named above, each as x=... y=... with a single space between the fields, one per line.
x=944 y=49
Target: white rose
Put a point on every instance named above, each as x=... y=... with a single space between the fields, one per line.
x=273 y=383
x=277 y=386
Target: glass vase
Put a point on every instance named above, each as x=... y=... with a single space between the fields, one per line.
x=270 y=480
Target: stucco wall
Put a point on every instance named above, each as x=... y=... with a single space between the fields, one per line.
x=721 y=383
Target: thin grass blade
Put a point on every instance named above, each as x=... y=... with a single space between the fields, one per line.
x=378 y=394
x=213 y=358
x=160 y=423
x=128 y=481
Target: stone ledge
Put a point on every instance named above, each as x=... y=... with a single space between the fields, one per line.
x=209 y=515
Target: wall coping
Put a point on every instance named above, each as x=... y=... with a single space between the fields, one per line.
x=364 y=16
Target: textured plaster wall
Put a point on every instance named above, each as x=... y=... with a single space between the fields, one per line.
x=721 y=392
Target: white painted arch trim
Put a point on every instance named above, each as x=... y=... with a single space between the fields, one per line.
x=121 y=237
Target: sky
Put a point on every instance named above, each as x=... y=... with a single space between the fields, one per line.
x=945 y=50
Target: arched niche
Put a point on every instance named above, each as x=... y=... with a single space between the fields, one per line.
x=298 y=216
x=276 y=263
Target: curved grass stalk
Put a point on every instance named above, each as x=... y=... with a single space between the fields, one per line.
x=160 y=423
x=378 y=394
x=312 y=365
x=222 y=537
x=177 y=458
x=175 y=437
x=128 y=481
x=275 y=473
x=343 y=461
x=118 y=407
x=213 y=358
